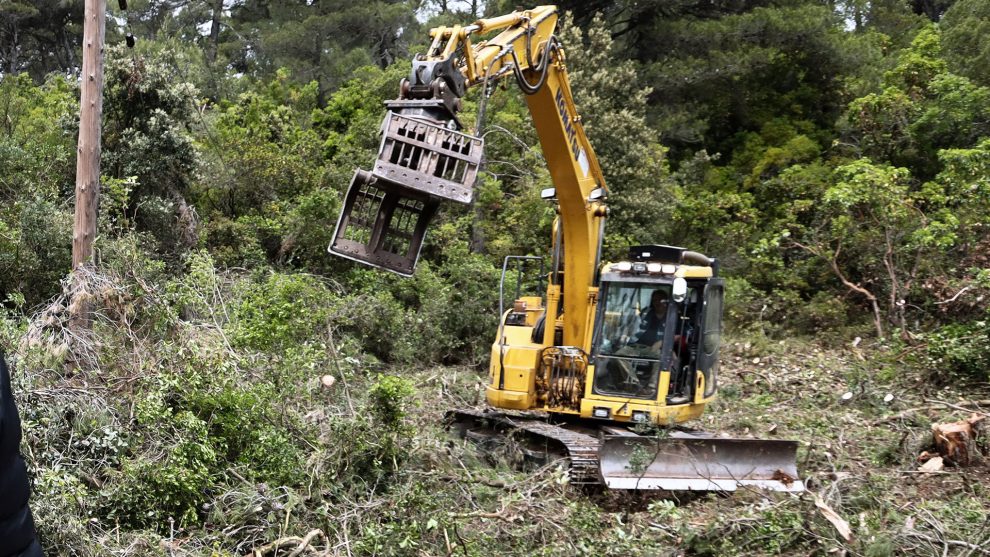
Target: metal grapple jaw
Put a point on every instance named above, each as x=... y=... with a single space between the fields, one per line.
x=387 y=211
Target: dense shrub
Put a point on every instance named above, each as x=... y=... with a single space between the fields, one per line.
x=146 y=140
x=37 y=158
x=233 y=243
x=960 y=349
x=156 y=490
x=278 y=311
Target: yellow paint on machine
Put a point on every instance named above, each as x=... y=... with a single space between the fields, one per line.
x=521 y=360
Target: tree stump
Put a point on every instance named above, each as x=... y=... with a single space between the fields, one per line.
x=956 y=441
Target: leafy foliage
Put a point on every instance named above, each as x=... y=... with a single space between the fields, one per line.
x=965 y=30
x=960 y=350
x=36 y=155
x=632 y=157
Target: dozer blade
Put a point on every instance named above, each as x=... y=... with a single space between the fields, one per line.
x=683 y=462
x=387 y=211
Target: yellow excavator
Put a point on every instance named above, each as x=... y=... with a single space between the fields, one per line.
x=602 y=367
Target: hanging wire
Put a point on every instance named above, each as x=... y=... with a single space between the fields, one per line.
x=129 y=36
x=542 y=68
x=487 y=89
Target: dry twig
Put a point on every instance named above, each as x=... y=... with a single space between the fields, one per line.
x=303 y=544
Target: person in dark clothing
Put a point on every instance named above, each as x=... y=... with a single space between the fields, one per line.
x=17 y=536
x=654 y=321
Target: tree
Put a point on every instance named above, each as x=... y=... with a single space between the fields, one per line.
x=261 y=155
x=318 y=41
x=148 y=108
x=863 y=236
x=37 y=155
x=40 y=36
x=922 y=109
x=966 y=39
x=614 y=104
x=881 y=235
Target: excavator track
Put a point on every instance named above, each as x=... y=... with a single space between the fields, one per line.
x=579 y=448
x=621 y=459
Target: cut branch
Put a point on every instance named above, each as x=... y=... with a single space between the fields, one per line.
x=833 y=262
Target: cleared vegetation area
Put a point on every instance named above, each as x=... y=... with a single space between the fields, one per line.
x=204 y=424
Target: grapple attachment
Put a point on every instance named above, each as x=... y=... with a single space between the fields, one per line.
x=386 y=211
x=685 y=462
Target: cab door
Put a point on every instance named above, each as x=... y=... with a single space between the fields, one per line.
x=711 y=335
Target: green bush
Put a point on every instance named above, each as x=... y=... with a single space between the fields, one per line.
x=310 y=225
x=442 y=314
x=743 y=303
x=156 y=490
x=389 y=397
x=959 y=349
x=280 y=310
x=243 y=425
x=233 y=243
x=146 y=141
x=388 y=401
x=34 y=253
x=822 y=313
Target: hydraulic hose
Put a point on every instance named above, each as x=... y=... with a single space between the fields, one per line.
x=543 y=68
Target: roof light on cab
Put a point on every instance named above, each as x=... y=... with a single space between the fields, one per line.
x=622 y=266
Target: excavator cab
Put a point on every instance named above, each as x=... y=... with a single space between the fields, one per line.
x=658 y=330
x=630 y=348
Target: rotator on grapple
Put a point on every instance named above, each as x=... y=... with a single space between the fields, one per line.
x=576 y=366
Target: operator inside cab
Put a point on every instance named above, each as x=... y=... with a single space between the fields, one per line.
x=653 y=322
x=630 y=350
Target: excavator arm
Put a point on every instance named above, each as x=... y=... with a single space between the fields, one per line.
x=408 y=187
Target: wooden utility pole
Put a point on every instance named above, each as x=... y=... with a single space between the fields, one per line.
x=88 y=149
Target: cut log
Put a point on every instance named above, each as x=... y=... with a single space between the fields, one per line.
x=932 y=465
x=956 y=441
